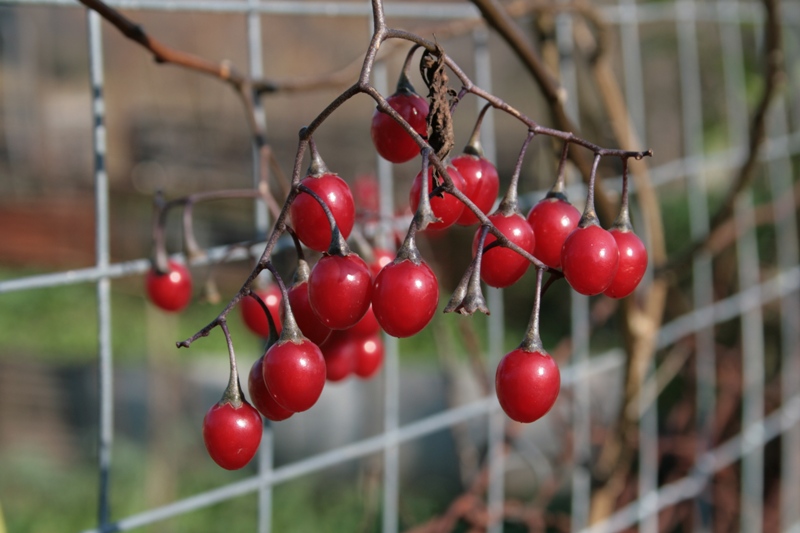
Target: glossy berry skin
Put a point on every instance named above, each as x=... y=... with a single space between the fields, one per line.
x=368 y=356
x=527 y=384
x=447 y=207
x=502 y=267
x=339 y=355
x=311 y=326
x=391 y=141
x=552 y=220
x=294 y=373
x=482 y=185
x=253 y=314
x=232 y=435
x=171 y=291
x=632 y=264
x=404 y=297
x=339 y=290
x=589 y=259
x=260 y=396
x=308 y=218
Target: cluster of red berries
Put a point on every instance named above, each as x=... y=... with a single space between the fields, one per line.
x=327 y=324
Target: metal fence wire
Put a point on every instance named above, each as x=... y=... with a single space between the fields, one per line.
x=760 y=284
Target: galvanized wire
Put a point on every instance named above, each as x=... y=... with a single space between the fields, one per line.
x=754 y=292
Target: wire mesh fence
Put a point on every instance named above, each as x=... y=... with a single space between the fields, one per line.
x=714 y=48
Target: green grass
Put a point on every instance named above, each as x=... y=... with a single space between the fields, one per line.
x=59 y=324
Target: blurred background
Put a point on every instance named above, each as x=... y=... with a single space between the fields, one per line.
x=703 y=437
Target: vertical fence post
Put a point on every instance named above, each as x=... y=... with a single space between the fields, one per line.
x=781 y=181
x=581 y=406
x=495 y=494
x=391 y=372
x=105 y=365
x=702 y=274
x=752 y=507
x=256 y=66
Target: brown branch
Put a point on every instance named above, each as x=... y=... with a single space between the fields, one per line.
x=501 y=21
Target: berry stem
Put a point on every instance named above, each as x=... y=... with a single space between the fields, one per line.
x=338 y=244
x=403 y=82
x=589 y=217
x=233 y=392
x=474 y=146
x=160 y=257
x=509 y=204
x=316 y=167
x=297 y=246
x=532 y=342
x=290 y=332
x=408 y=250
x=623 y=221
x=424 y=210
x=273 y=331
x=467 y=297
x=559 y=187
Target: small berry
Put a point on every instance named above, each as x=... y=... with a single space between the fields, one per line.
x=527 y=384
x=232 y=434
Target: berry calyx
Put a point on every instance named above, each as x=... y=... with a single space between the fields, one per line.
x=172 y=290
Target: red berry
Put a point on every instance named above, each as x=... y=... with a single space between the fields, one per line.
x=259 y=394
x=527 y=384
x=502 y=267
x=589 y=259
x=339 y=290
x=368 y=356
x=294 y=374
x=366 y=194
x=231 y=434
x=552 y=220
x=632 y=264
x=339 y=355
x=404 y=297
x=391 y=140
x=304 y=315
x=381 y=258
x=309 y=220
x=447 y=207
x=368 y=325
x=253 y=314
x=172 y=290
x=482 y=185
